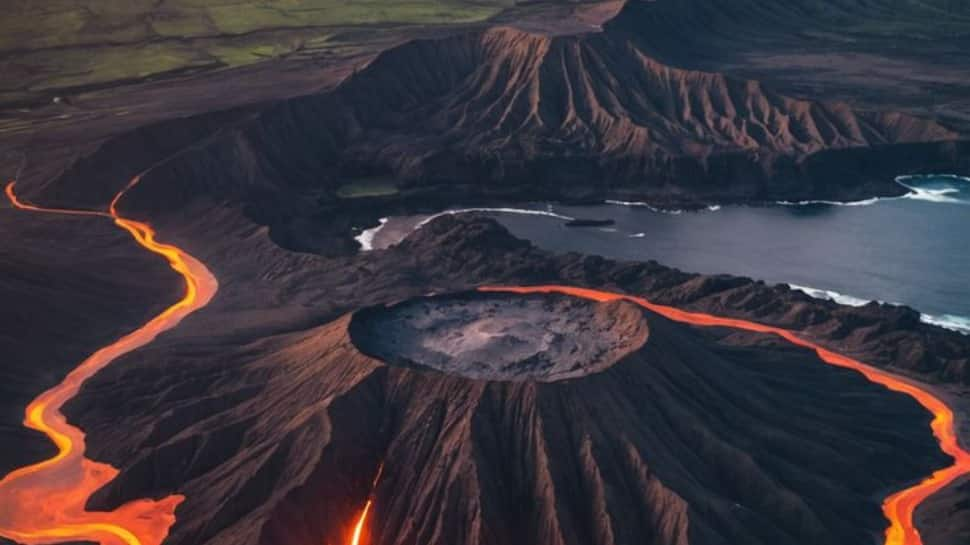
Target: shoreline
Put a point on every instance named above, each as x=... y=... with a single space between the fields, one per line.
x=394 y=228
x=899 y=507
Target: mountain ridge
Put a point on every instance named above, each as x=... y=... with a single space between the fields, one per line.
x=504 y=113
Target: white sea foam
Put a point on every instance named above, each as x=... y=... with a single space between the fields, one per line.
x=934 y=194
x=366 y=237
x=637 y=235
x=917 y=193
x=522 y=211
x=864 y=202
x=829 y=295
x=650 y=207
x=960 y=324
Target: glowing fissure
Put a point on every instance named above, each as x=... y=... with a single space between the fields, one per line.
x=899 y=507
x=355 y=537
x=45 y=502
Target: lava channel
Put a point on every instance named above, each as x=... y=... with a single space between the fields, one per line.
x=897 y=508
x=356 y=538
x=45 y=502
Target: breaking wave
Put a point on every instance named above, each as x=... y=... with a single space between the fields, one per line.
x=650 y=207
x=937 y=188
x=864 y=202
x=956 y=323
x=366 y=237
x=522 y=211
x=829 y=295
x=960 y=324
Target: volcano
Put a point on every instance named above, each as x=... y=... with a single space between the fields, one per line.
x=499 y=418
x=327 y=396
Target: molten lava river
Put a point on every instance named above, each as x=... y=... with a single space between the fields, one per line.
x=45 y=502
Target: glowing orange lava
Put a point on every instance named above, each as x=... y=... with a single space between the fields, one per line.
x=359 y=527
x=355 y=538
x=45 y=502
x=899 y=507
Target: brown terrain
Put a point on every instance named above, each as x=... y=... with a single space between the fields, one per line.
x=505 y=114
x=241 y=404
x=277 y=440
x=271 y=411
x=884 y=54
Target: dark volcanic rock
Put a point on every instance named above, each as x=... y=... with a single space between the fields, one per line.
x=695 y=437
x=880 y=334
x=275 y=431
x=501 y=114
x=885 y=54
x=945 y=517
x=506 y=113
x=501 y=337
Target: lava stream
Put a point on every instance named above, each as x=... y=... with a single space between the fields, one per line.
x=45 y=502
x=899 y=507
x=355 y=537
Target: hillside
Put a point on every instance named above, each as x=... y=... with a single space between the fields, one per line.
x=685 y=436
x=881 y=54
x=504 y=114
x=65 y=47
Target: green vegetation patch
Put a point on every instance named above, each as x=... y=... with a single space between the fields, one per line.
x=368 y=187
x=55 y=44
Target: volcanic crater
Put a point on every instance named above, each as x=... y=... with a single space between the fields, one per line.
x=501 y=337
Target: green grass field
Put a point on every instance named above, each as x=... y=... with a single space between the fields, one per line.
x=367 y=187
x=47 y=45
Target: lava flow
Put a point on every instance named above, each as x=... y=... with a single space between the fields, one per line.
x=355 y=537
x=899 y=507
x=45 y=502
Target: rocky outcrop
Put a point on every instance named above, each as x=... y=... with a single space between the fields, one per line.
x=496 y=337
x=884 y=56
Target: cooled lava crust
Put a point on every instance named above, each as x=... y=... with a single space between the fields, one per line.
x=501 y=337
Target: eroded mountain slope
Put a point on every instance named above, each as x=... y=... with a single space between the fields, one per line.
x=506 y=114
x=706 y=437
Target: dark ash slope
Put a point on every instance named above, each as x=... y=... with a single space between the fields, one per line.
x=701 y=437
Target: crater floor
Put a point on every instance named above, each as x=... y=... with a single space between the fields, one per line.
x=502 y=337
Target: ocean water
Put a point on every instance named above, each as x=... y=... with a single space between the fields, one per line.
x=912 y=250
